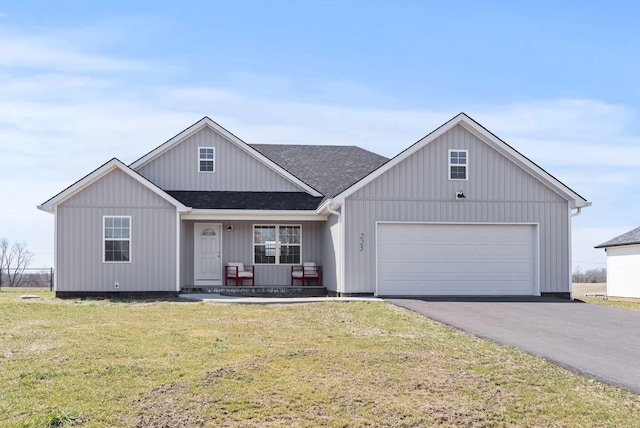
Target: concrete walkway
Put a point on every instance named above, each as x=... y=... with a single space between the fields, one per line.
x=596 y=341
x=218 y=298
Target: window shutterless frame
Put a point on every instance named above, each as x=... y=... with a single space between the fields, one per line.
x=116 y=239
x=458 y=164
x=207 y=159
x=277 y=244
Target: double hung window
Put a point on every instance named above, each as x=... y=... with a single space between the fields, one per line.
x=117 y=239
x=458 y=164
x=277 y=244
x=206 y=159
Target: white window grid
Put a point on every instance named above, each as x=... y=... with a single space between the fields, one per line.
x=207 y=159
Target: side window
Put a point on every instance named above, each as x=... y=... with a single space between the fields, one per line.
x=206 y=159
x=116 y=239
x=458 y=164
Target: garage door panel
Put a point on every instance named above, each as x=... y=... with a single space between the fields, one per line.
x=455 y=259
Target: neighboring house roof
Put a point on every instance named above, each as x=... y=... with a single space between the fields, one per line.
x=575 y=200
x=328 y=169
x=207 y=122
x=226 y=200
x=100 y=172
x=630 y=238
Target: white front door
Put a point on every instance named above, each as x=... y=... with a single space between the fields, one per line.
x=207 y=248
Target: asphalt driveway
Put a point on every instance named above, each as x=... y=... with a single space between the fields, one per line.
x=596 y=341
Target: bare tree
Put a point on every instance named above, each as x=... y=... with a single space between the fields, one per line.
x=14 y=259
x=591 y=275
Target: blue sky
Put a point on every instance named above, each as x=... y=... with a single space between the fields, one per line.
x=82 y=82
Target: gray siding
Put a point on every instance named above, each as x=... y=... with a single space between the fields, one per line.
x=237 y=246
x=418 y=189
x=79 y=251
x=235 y=170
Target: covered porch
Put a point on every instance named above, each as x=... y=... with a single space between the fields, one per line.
x=269 y=246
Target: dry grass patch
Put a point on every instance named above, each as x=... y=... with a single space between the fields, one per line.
x=143 y=364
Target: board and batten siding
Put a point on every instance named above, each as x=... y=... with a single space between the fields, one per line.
x=419 y=190
x=237 y=246
x=623 y=271
x=79 y=243
x=235 y=169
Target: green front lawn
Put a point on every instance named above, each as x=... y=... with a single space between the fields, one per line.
x=101 y=363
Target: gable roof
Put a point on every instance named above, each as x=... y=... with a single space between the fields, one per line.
x=100 y=172
x=329 y=169
x=629 y=238
x=206 y=122
x=575 y=200
x=227 y=200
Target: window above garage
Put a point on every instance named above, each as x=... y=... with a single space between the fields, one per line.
x=458 y=164
x=206 y=159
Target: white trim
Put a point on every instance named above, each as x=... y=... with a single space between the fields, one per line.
x=343 y=251
x=195 y=243
x=101 y=172
x=207 y=122
x=178 y=245
x=105 y=239
x=212 y=160
x=55 y=248
x=465 y=165
x=536 y=262
x=257 y=215
x=570 y=278
x=276 y=243
x=472 y=126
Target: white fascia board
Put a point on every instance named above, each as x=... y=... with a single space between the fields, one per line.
x=207 y=122
x=261 y=215
x=102 y=171
x=340 y=198
x=575 y=200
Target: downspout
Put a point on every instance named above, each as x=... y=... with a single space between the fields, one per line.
x=340 y=285
x=577 y=213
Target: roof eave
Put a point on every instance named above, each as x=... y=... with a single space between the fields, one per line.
x=206 y=122
x=574 y=199
x=626 y=244
x=256 y=215
x=98 y=173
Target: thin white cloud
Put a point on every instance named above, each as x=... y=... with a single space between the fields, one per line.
x=74 y=111
x=55 y=54
x=579 y=120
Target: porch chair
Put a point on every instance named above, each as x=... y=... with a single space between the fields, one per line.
x=237 y=271
x=309 y=271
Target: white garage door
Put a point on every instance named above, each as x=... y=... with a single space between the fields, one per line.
x=456 y=259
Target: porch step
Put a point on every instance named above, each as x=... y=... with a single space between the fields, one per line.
x=258 y=290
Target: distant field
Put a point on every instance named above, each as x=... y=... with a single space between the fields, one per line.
x=580 y=290
x=103 y=363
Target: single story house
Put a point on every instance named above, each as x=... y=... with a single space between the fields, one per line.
x=623 y=264
x=460 y=212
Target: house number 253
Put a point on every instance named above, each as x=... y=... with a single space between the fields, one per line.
x=362 y=242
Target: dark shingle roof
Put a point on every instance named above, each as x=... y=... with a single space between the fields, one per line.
x=629 y=238
x=246 y=200
x=328 y=169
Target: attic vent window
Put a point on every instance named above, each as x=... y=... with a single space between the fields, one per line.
x=458 y=163
x=206 y=159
